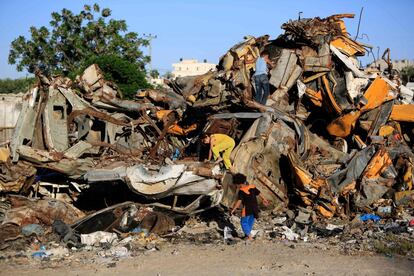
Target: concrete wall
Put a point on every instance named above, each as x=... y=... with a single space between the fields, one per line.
x=10 y=107
x=191 y=67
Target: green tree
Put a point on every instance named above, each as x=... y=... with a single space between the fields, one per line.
x=15 y=85
x=73 y=38
x=128 y=76
x=154 y=74
x=168 y=75
x=407 y=74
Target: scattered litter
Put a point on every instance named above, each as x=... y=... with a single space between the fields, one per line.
x=366 y=217
x=288 y=233
x=98 y=238
x=31 y=229
x=115 y=252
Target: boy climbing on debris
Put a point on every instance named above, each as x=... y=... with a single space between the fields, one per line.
x=261 y=79
x=248 y=197
x=220 y=143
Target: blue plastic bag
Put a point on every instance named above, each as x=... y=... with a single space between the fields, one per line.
x=372 y=217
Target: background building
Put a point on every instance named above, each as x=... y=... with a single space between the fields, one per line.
x=396 y=64
x=191 y=67
x=157 y=82
x=400 y=64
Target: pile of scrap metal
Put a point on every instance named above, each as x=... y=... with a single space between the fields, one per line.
x=331 y=137
x=345 y=134
x=85 y=132
x=24 y=219
x=368 y=117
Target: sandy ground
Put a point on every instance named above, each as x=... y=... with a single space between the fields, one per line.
x=256 y=258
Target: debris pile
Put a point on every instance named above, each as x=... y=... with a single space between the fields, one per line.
x=331 y=141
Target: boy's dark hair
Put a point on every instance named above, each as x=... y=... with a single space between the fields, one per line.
x=204 y=136
x=264 y=53
x=239 y=178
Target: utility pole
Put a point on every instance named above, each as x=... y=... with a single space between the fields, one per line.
x=150 y=37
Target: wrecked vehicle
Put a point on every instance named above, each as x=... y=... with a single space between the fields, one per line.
x=331 y=139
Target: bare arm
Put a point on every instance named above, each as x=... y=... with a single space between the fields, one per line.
x=264 y=200
x=235 y=206
x=210 y=151
x=218 y=160
x=269 y=62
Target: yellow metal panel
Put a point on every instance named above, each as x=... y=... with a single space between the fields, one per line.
x=403 y=113
x=162 y=113
x=385 y=131
x=378 y=164
x=4 y=155
x=348 y=46
x=342 y=126
x=376 y=94
x=325 y=212
x=315 y=97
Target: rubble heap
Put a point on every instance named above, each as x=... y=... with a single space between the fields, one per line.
x=332 y=139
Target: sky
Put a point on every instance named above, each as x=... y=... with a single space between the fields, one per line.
x=207 y=29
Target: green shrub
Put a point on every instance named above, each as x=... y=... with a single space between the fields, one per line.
x=15 y=85
x=128 y=76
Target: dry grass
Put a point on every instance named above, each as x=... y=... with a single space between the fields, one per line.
x=394 y=245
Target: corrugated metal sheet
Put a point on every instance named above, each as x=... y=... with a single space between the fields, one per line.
x=10 y=107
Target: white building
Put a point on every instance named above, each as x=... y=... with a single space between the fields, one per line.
x=410 y=85
x=191 y=67
x=396 y=64
x=402 y=63
x=157 y=81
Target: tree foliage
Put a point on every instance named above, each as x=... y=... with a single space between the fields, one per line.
x=15 y=85
x=154 y=74
x=168 y=75
x=128 y=76
x=73 y=38
x=407 y=74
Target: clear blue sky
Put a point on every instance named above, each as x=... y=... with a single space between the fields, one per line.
x=206 y=29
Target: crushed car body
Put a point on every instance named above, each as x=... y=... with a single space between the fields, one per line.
x=331 y=137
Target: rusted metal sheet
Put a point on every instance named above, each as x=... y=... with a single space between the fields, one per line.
x=16 y=178
x=320 y=62
x=24 y=129
x=28 y=211
x=283 y=68
x=123 y=218
x=55 y=121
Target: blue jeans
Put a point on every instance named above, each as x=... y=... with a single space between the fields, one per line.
x=247 y=224
x=262 y=88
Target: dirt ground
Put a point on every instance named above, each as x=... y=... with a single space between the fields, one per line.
x=255 y=258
